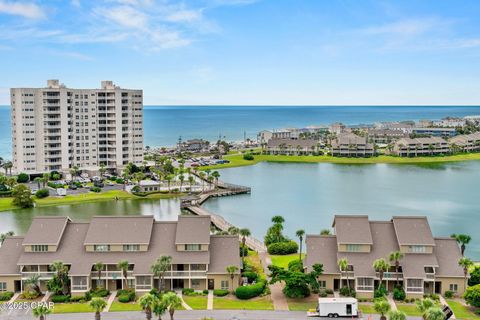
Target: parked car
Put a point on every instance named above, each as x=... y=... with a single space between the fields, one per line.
x=98 y=184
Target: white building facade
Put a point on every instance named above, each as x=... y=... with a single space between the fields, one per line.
x=58 y=128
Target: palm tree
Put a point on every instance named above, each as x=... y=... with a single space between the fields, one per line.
x=38 y=180
x=99 y=267
x=97 y=304
x=202 y=175
x=216 y=175
x=4 y=236
x=244 y=233
x=41 y=311
x=172 y=302
x=159 y=309
x=231 y=270
x=102 y=170
x=278 y=220
x=74 y=171
x=159 y=268
x=210 y=179
x=169 y=179
x=45 y=177
x=465 y=263
x=61 y=272
x=381 y=266
x=123 y=266
x=181 y=177
x=33 y=283
x=424 y=304
x=462 y=240
x=343 y=266
x=300 y=234
x=395 y=258
x=382 y=306
x=434 y=313
x=191 y=180
x=233 y=231
x=397 y=315
x=325 y=232
x=148 y=302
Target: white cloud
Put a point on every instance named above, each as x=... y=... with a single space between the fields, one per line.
x=76 y=3
x=23 y=9
x=185 y=16
x=411 y=27
x=125 y=16
x=71 y=54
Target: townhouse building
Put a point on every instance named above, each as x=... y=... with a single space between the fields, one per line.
x=412 y=147
x=429 y=264
x=292 y=146
x=465 y=142
x=351 y=145
x=199 y=259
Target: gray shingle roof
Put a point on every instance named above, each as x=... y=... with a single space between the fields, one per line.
x=193 y=230
x=303 y=143
x=448 y=253
x=322 y=249
x=413 y=265
x=413 y=231
x=119 y=230
x=352 y=229
x=224 y=253
x=46 y=230
x=10 y=252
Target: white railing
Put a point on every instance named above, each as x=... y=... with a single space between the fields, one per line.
x=79 y=288
x=391 y=275
x=415 y=289
x=430 y=276
x=185 y=274
x=349 y=274
x=41 y=274
x=110 y=274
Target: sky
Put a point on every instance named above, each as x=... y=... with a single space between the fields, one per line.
x=249 y=52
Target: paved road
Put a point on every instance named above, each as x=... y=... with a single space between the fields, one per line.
x=188 y=315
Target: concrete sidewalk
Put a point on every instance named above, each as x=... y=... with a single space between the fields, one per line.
x=278 y=298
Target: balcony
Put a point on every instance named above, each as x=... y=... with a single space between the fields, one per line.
x=186 y=274
x=348 y=274
x=110 y=274
x=41 y=274
x=391 y=275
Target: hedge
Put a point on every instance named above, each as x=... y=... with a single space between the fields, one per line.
x=6 y=296
x=42 y=193
x=250 y=275
x=95 y=189
x=220 y=293
x=99 y=292
x=283 y=248
x=60 y=299
x=124 y=298
x=251 y=291
x=123 y=293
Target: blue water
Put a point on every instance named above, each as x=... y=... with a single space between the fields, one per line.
x=165 y=124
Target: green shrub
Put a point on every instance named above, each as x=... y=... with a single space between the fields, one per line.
x=77 y=299
x=124 y=298
x=434 y=297
x=449 y=294
x=95 y=189
x=329 y=291
x=399 y=294
x=155 y=292
x=380 y=292
x=205 y=291
x=220 y=293
x=99 y=292
x=248 y=156
x=251 y=291
x=119 y=181
x=88 y=296
x=347 y=292
x=322 y=294
x=472 y=295
x=30 y=294
x=6 y=296
x=42 y=193
x=243 y=251
x=283 y=248
x=22 y=178
x=295 y=265
x=54 y=185
x=474 y=277
x=130 y=293
x=188 y=291
x=60 y=299
x=250 y=275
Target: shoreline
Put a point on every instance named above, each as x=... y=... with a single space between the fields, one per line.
x=237 y=160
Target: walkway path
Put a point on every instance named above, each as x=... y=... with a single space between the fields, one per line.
x=210 y=300
x=184 y=304
x=111 y=299
x=46 y=296
x=276 y=290
x=392 y=303
x=445 y=303
x=15 y=297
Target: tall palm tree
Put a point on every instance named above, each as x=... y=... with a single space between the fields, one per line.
x=45 y=177
x=462 y=240
x=172 y=302
x=98 y=305
x=38 y=180
x=395 y=258
x=434 y=313
x=4 y=236
x=244 y=233
x=202 y=175
x=381 y=266
x=325 y=232
x=216 y=175
x=300 y=234
x=159 y=268
x=169 y=179
x=99 y=267
x=233 y=231
x=123 y=266
x=41 y=311
x=147 y=302
x=159 y=309
x=61 y=272
x=231 y=270
x=465 y=263
x=278 y=220
x=343 y=266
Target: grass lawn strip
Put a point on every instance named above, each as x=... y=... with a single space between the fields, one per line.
x=367 y=308
x=119 y=307
x=461 y=311
x=228 y=303
x=71 y=308
x=254 y=260
x=283 y=260
x=303 y=304
x=196 y=302
x=409 y=309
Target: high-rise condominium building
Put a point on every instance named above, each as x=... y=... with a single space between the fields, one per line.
x=58 y=128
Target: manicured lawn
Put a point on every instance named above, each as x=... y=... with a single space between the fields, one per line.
x=6 y=204
x=301 y=304
x=71 y=308
x=282 y=261
x=367 y=308
x=118 y=307
x=461 y=311
x=254 y=260
x=409 y=309
x=227 y=303
x=237 y=160
x=196 y=302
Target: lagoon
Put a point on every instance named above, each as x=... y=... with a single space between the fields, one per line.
x=309 y=194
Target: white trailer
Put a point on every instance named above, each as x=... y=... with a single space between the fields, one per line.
x=337 y=307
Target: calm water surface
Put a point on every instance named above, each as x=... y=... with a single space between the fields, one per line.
x=308 y=195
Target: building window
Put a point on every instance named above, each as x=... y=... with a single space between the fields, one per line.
x=364 y=284
x=131 y=247
x=322 y=284
x=79 y=283
x=39 y=248
x=198 y=267
x=101 y=247
x=224 y=285
x=414 y=285
x=417 y=249
x=3 y=286
x=193 y=247
x=144 y=283
x=354 y=247
x=454 y=287
x=195 y=283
